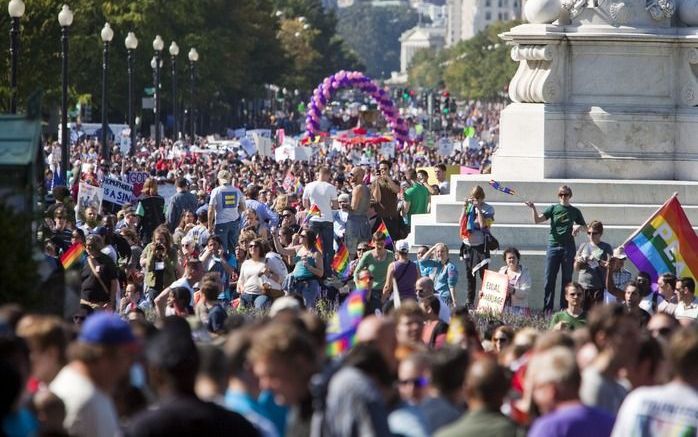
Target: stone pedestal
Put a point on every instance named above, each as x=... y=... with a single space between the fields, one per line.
x=610 y=95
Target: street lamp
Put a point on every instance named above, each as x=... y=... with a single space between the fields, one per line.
x=16 y=9
x=174 y=51
x=131 y=43
x=107 y=35
x=65 y=19
x=193 y=59
x=158 y=45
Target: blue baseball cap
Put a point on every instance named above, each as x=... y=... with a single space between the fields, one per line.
x=106 y=329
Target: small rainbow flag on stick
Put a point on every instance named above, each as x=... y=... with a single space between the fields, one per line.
x=71 y=255
x=341 y=331
x=318 y=244
x=298 y=187
x=340 y=263
x=384 y=230
x=314 y=210
x=504 y=189
x=665 y=243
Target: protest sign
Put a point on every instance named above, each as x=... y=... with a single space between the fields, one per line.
x=116 y=192
x=137 y=179
x=493 y=294
x=88 y=195
x=445 y=147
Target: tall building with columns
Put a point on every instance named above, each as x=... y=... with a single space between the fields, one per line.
x=465 y=18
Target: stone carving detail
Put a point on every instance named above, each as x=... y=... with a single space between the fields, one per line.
x=574 y=7
x=660 y=10
x=620 y=14
x=692 y=56
x=687 y=77
x=536 y=79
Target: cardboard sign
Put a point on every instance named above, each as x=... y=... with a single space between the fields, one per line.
x=493 y=294
x=88 y=195
x=116 y=192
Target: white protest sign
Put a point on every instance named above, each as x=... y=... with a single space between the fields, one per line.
x=264 y=145
x=493 y=294
x=388 y=149
x=88 y=196
x=445 y=147
x=117 y=192
x=137 y=179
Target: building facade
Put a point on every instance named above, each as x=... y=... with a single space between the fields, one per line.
x=468 y=17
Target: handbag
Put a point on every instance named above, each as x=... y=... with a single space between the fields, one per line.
x=491 y=243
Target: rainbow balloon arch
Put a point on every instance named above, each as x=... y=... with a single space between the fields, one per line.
x=354 y=79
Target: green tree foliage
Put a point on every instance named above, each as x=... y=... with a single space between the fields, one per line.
x=478 y=68
x=373 y=32
x=240 y=43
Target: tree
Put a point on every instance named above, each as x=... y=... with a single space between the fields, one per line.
x=373 y=33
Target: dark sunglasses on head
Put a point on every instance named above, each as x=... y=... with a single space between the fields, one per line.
x=564 y=194
x=664 y=331
x=594 y=233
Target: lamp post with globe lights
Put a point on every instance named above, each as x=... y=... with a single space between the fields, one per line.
x=65 y=19
x=107 y=34
x=193 y=59
x=16 y=9
x=174 y=51
x=131 y=43
x=158 y=45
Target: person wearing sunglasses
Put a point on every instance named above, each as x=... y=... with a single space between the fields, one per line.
x=566 y=222
x=308 y=269
x=591 y=262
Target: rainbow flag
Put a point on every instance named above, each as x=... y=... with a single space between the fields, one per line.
x=298 y=187
x=71 y=255
x=665 y=243
x=341 y=331
x=499 y=187
x=384 y=230
x=318 y=244
x=340 y=263
x=313 y=211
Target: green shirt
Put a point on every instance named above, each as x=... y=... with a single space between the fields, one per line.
x=418 y=196
x=562 y=219
x=571 y=321
x=481 y=423
x=379 y=269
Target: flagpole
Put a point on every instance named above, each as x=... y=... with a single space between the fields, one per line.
x=651 y=217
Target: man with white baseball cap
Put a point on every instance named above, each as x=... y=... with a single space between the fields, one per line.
x=617 y=277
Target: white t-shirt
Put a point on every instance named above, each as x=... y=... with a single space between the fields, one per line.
x=666 y=410
x=684 y=311
x=321 y=194
x=249 y=276
x=89 y=412
x=646 y=302
x=277 y=266
x=225 y=200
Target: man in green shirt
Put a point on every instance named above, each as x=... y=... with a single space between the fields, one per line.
x=565 y=222
x=416 y=196
x=573 y=316
x=486 y=385
x=376 y=261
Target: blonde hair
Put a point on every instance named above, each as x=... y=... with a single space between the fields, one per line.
x=477 y=193
x=150 y=187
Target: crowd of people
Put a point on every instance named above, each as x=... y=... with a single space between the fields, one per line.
x=208 y=312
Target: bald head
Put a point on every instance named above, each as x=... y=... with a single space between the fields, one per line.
x=425 y=287
x=379 y=331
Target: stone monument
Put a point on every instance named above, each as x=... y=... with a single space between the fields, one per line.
x=605 y=89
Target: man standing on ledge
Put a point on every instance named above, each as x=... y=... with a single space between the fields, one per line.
x=324 y=195
x=565 y=222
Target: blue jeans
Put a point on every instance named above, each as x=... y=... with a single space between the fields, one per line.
x=258 y=301
x=556 y=257
x=325 y=231
x=229 y=233
x=309 y=291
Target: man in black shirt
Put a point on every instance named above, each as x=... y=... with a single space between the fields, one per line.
x=173 y=363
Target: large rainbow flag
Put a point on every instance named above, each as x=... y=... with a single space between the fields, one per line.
x=665 y=243
x=384 y=230
x=71 y=255
x=313 y=211
x=340 y=263
x=341 y=331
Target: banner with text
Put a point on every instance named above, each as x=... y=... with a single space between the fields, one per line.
x=117 y=192
x=493 y=294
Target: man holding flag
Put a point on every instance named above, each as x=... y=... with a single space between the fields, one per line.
x=321 y=196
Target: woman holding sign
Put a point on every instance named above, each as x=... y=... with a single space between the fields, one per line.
x=519 y=280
